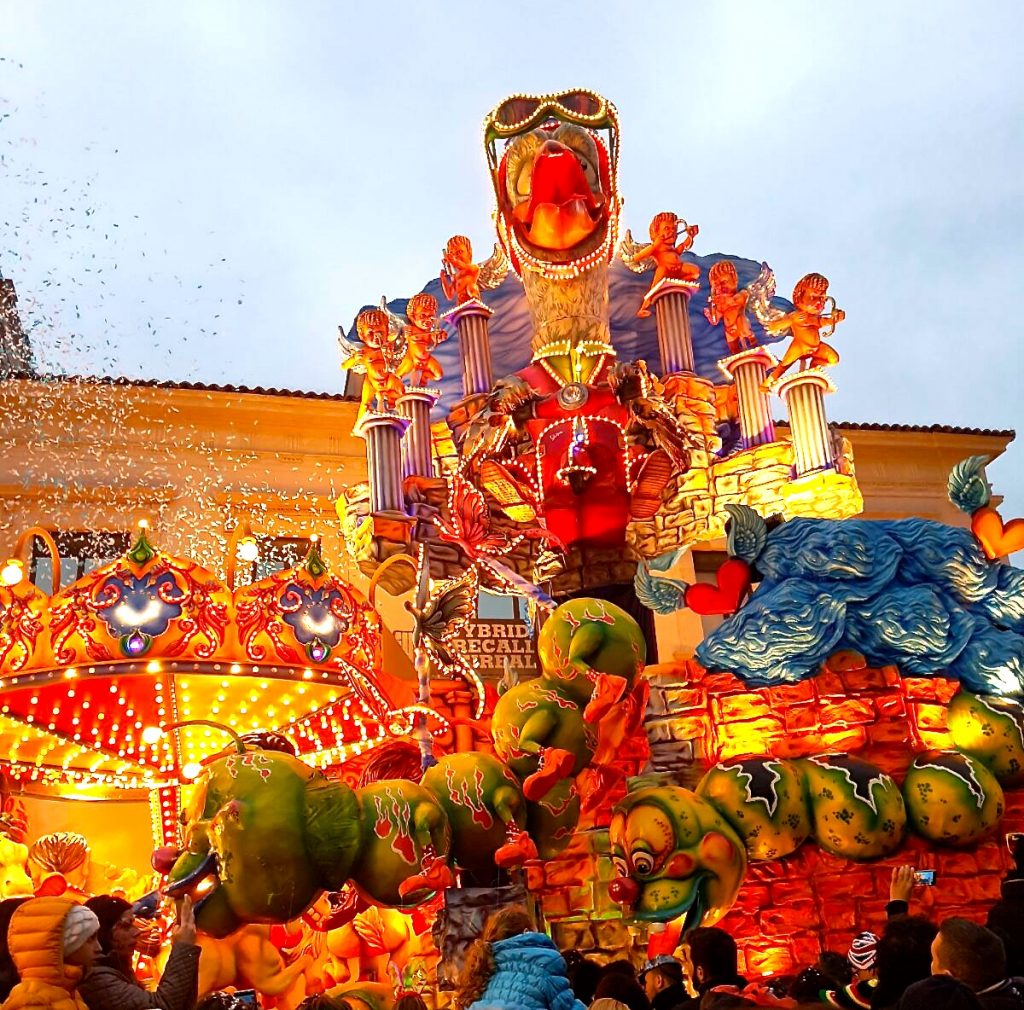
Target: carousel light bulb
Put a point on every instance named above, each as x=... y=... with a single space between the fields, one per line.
x=248 y=550
x=13 y=572
x=192 y=770
x=152 y=735
x=143 y=524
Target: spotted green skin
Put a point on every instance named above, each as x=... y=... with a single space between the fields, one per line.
x=764 y=801
x=952 y=799
x=686 y=859
x=991 y=730
x=551 y=821
x=860 y=823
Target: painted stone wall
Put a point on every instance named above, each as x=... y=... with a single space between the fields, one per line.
x=788 y=910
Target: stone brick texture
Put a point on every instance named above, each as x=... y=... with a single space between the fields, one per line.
x=789 y=910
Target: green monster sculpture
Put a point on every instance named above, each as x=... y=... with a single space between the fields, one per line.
x=952 y=799
x=265 y=833
x=991 y=730
x=857 y=811
x=764 y=801
x=547 y=729
x=675 y=855
x=764 y=808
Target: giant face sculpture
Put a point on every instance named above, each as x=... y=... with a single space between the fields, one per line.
x=675 y=855
x=555 y=177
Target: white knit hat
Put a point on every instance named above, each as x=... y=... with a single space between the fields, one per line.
x=79 y=925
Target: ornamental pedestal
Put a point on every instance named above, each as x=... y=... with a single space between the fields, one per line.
x=470 y=319
x=383 y=434
x=417 y=446
x=804 y=393
x=748 y=370
x=671 y=301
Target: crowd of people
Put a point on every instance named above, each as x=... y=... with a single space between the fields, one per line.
x=56 y=954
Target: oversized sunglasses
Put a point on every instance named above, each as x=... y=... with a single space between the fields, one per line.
x=521 y=113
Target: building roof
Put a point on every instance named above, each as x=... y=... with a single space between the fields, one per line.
x=202 y=387
x=306 y=394
x=929 y=429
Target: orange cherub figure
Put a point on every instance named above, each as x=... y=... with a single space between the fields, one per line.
x=376 y=359
x=460 y=276
x=806 y=323
x=665 y=252
x=422 y=335
x=728 y=305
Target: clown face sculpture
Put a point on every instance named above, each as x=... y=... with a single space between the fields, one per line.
x=675 y=856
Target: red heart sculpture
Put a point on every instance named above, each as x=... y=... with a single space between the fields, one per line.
x=996 y=538
x=732 y=585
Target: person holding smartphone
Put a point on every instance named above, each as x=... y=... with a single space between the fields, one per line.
x=112 y=985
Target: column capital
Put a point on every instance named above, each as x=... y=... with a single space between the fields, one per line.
x=379 y=419
x=474 y=307
x=750 y=355
x=422 y=394
x=672 y=286
x=808 y=377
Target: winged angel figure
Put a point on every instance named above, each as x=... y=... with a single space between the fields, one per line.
x=377 y=356
x=461 y=278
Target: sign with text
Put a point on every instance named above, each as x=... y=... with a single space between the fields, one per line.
x=493 y=642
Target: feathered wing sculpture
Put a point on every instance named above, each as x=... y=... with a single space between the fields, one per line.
x=968 y=487
x=628 y=250
x=746 y=533
x=493 y=270
x=349 y=353
x=657 y=591
x=761 y=291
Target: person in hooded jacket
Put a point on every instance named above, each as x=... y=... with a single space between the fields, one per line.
x=53 y=942
x=513 y=967
x=112 y=984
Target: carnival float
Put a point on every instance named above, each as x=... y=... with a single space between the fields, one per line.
x=345 y=810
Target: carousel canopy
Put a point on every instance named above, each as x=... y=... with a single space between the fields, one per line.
x=94 y=678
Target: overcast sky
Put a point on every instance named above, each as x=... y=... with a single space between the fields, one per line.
x=204 y=190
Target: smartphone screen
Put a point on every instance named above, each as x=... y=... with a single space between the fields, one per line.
x=247 y=996
x=926 y=877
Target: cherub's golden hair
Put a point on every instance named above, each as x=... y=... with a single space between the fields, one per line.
x=665 y=217
x=371 y=321
x=724 y=271
x=479 y=965
x=423 y=303
x=459 y=244
x=59 y=852
x=809 y=282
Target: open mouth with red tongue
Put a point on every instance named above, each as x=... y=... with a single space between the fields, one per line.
x=562 y=210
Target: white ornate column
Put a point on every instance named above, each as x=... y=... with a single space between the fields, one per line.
x=804 y=393
x=383 y=433
x=748 y=369
x=471 y=320
x=418 y=445
x=671 y=301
